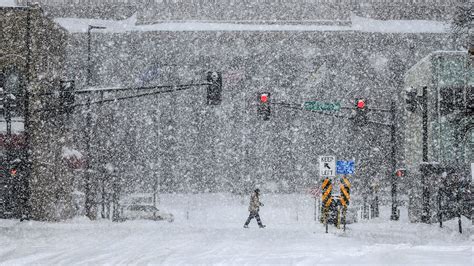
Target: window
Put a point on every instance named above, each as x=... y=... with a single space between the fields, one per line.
x=12 y=86
x=470 y=101
x=451 y=100
x=469 y=146
x=454 y=71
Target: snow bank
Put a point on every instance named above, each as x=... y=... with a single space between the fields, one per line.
x=7 y=3
x=358 y=24
x=398 y=26
x=208 y=230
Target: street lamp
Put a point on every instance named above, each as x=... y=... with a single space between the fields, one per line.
x=89 y=72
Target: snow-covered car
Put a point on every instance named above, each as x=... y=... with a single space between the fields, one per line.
x=145 y=212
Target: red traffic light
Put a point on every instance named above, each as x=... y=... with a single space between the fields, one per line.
x=400 y=173
x=264 y=105
x=360 y=103
x=13 y=171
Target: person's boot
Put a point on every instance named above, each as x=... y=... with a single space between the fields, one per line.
x=246 y=226
x=261 y=225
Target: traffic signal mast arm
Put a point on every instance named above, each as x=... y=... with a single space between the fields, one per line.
x=66 y=93
x=299 y=107
x=152 y=90
x=369 y=109
x=167 y=89
x=91 y=90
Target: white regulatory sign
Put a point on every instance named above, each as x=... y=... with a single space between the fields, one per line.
x=472 y=172
x=327 y=166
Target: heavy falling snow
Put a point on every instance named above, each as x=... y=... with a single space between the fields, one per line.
x=236 y=132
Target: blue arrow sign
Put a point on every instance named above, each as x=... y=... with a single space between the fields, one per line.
x=345 y=167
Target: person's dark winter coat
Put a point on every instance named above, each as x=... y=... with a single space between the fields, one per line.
x=254 y=208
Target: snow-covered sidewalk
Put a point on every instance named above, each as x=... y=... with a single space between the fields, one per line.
x=208 y=230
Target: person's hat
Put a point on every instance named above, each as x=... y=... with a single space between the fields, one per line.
x=257 y=190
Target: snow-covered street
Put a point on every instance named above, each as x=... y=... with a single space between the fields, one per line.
x=208 y=230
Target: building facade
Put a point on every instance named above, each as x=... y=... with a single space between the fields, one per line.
x=150 y=11
x=33 y=54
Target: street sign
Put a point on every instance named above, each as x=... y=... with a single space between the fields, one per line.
x=327 y=166
x=322 y=106
x=472 y=172
x=345 y=189
x=326 y=195
x=345 y=167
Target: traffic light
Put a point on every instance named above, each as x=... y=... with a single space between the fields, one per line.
x=400 y=173
x=361 y=105
x=13 y=171
x=214 y=90
x=14 y=167
x=361 y=111
x=264 y=105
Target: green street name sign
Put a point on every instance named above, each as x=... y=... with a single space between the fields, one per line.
x=322 y=106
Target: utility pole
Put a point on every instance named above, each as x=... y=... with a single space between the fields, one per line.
x=9 y=206
x=393 y=140
x=90 y=204
x=90 y=196
x=426 y=169
x=25 y=191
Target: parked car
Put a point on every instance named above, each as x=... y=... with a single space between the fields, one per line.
x=145 y=212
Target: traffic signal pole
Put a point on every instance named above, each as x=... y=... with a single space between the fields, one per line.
x=24 y=196
x=90 y=199
x=9 y=199
x=394 y=216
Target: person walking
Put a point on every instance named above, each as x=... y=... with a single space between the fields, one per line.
x=254 y=207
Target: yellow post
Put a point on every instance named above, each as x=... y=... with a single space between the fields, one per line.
x=338 y=217
x=344 y=215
